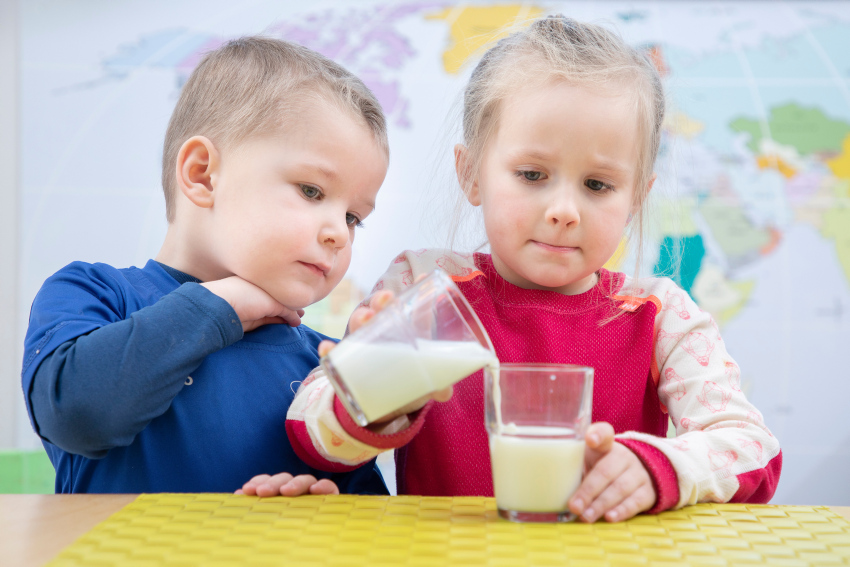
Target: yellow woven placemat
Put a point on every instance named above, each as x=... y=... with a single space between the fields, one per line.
x=223 y=529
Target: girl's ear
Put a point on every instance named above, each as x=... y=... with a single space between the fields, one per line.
x=637 y=206
x=198 y=164
x=465 y=176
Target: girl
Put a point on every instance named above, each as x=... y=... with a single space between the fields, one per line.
x=562 y=124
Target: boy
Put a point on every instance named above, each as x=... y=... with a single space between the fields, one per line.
x=147 y=379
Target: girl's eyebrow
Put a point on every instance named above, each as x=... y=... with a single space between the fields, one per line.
x=531 y=153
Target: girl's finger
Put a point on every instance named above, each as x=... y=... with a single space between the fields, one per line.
x=443 y=395
x=360 y=317
x=299 y=485
x=324 y=486
x=595 y=482
x=600 y=436
x=325 y=347
x=614 y=494
x=381 y=299
x=639 y=501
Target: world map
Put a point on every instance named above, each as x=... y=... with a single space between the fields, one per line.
x=750 y=213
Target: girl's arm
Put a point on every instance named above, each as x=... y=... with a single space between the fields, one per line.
x=320 y=430
x=722 y=452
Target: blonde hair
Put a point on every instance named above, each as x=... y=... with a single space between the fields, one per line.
x=249 y=86
x=556 y=48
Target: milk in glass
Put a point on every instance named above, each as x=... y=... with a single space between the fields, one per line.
x=535 y=469
x=383 y=377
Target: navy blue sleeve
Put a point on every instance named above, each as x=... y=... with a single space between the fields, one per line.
x=366 y=479
x=99 y=388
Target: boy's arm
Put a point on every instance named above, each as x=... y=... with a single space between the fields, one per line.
x=722 y=452
x=93 y=379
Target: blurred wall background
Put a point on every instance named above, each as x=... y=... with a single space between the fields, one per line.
x=751 y=208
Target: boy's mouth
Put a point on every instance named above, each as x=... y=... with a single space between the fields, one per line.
x=318 y=269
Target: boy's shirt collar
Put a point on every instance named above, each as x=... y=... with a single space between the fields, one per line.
x=181 y=277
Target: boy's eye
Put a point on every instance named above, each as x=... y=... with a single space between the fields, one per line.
x=310 y=192
x=352 y=221
x=596 y=185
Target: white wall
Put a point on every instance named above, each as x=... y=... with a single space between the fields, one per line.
x=10 y=397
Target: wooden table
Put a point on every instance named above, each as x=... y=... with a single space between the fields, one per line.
x=34 y=528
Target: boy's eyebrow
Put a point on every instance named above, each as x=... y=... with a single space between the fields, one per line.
x=324 y=170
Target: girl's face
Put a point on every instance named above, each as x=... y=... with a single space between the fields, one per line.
x=556 y=185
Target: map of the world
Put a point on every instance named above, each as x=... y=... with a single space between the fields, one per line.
x=750 y=214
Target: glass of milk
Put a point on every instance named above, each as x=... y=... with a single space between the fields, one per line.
x=428 y=338
x=536 y=417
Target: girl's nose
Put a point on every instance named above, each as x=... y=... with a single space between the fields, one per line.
x=563 y=209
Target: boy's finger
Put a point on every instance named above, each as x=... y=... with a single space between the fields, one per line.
x=271 y=486
x=640 y=500
x=299 y=485
x=596 y=481
x=324 y=486
x=325 y=347
x=291 y=317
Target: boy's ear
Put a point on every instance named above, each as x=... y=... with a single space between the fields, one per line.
x=198 y=164
x=465 y=176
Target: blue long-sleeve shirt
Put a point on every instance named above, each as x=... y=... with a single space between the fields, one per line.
x=137 y=383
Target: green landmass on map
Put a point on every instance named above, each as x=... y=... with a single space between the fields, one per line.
x=680 y=259
x=807 y=129
x=737 y=236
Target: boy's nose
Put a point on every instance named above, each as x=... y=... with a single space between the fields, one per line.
x=334 y=234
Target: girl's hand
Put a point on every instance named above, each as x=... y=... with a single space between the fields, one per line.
x=253 y=306
x=616 y=485
x=360 y=317
x=284 y=484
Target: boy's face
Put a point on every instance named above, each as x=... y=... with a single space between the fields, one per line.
x=287 y=205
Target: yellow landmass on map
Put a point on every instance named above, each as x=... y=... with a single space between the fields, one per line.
x=683 y=125
x=472 y=28
x=677 y=217
x=745 y=289
x=836 y=225
x=616 y=260
x=840 y=165
x=330 y=315
x=718 y=295
x=777 y=163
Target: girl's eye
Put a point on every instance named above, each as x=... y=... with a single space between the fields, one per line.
x=531 y=176
x=596 y=185
x=310 y=192
x=352 y=221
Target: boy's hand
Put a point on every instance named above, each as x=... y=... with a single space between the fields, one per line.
x=254 y=306
x=616 y=485
x=360 y=317
x=284 y=484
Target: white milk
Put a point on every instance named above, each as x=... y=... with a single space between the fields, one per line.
x=535 y=473
x=383 y=377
